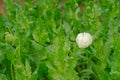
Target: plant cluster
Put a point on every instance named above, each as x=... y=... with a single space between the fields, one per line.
x=38 y=40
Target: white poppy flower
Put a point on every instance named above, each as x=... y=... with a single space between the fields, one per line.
x=84 y=40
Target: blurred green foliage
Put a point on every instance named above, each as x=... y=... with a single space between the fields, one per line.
x=43 y=47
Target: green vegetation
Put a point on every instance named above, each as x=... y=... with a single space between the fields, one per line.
x=37 y=40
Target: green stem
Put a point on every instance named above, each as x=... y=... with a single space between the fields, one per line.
x=12 y=72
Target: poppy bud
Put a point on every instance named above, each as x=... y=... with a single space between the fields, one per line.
x=8 y=37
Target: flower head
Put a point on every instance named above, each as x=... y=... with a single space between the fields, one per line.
x=84 y=40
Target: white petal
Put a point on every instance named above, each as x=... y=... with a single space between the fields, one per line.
x=84 y=40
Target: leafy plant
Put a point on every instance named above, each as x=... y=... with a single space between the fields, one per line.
x=37 y=40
